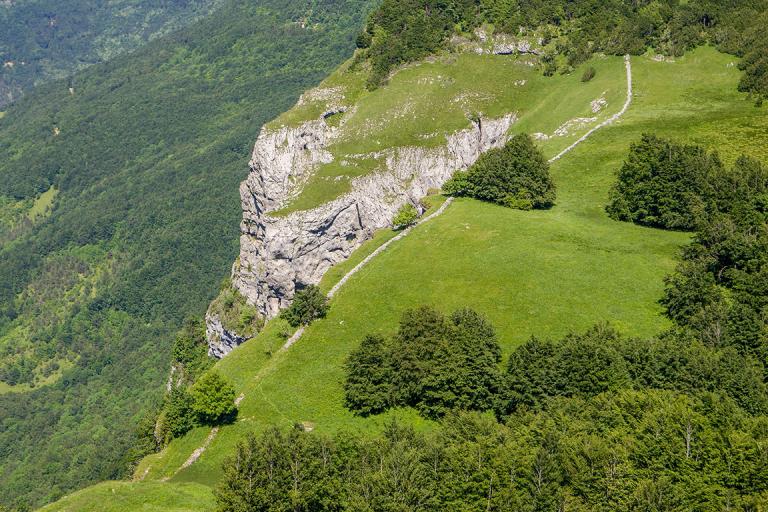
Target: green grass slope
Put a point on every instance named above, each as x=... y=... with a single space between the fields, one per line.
x=424 y=102
x=149 y=497
x=542 y=273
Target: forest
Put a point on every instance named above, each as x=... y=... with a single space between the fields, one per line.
x=145 y=157
x=44 y=40
x=399 y=32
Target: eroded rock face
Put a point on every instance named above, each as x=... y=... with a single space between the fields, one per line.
x=220 y=341
x=498 y=44
x=279 y=255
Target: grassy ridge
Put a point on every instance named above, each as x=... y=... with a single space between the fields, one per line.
x=423 y=103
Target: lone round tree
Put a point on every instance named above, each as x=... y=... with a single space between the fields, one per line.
x=213 y=399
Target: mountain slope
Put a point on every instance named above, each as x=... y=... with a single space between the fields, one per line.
x=119 y=218
x=43 y=40
x=544 y=273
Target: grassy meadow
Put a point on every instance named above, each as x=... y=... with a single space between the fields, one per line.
x=425 y=102
x=144 y=497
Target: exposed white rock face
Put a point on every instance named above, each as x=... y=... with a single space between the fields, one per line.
x=279 y=255
x=220 y=340
x=282 y=160
x=497 y=44
x=509 y=46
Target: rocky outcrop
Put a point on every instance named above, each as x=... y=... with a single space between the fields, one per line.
x=220 y=340
x=485 y=43
x=514 y=48
x=279 y=255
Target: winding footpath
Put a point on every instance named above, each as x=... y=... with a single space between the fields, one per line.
x=383 y=247
x=615 y=117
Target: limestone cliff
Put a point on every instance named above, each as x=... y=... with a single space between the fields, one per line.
x=279 y=255
x=282 y=254
x=220 y=340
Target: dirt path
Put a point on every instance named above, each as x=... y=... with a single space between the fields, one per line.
x=615 y=117
x=610 y=120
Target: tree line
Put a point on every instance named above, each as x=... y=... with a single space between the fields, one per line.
x=719 y=290
x=400 y=31
x=634 y=450
x=439 y=364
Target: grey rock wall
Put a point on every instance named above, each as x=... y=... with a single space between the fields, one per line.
x=279 y=255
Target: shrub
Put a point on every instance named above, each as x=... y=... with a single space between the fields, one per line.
x=308 y=304
x=235 y=313
x=213 y=399
x=516 y=176
x=178 y=416
x=589 y=74
x=406 y=216
x=549 y=65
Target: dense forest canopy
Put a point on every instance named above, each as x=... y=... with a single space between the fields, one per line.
x=591 y=422
x=143 y=161
x=43 y=40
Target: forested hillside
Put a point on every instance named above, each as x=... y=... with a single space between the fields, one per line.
x=42 y=40
x=118 y=218
x=571 y=31
x=576 y=321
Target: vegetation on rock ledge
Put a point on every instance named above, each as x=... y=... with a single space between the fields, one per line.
x=234 y=312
